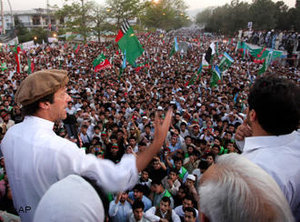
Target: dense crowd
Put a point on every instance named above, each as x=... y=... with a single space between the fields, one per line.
x=112 y=112
x=279 y=40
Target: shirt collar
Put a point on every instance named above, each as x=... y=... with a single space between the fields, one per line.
x=255 y=142
x=42 y=123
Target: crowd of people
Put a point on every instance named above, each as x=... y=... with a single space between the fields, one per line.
x=279 y=40
x=112 y=113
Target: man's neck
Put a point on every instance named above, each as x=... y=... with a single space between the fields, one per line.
x=257 y=130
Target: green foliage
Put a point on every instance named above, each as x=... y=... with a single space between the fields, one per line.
x=25 y=35
x=262 y=14
x=265 y=15
x=76 y=17
x=165 y=14
x=123 y=9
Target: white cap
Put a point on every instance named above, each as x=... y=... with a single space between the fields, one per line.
x=191 y=177
x=70 y=199
x=159 y=108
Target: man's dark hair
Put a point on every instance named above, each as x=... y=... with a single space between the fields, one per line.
x=212 y=155
x=32 y=108
x=190 y=209
x=177 y=159
x=139 y=188
x=203 y=165
x=276 y=103
x=138 y=204
x=166 y=200
x=174 y=171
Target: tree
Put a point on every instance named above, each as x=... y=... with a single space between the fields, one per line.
x=99 y=17
x=203 y=17
x=123 y=9
x=76 y=17
x=21 y=30
x=165 y=14
x=262 y=14
x=281 y=15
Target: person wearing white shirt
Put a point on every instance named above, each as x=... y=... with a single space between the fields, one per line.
x=120 y=208
x=36 y=157
x=162 y=213
x=272 y=141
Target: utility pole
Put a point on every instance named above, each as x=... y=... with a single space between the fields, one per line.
x=83 y=21
x=49 y=19
x=2 y=18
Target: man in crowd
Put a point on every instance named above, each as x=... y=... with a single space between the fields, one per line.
x=120 y=208
x=163 y=212
x=272 y=120
x=138 y=194
x=137 y=214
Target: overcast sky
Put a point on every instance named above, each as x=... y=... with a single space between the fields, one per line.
x=193 y=4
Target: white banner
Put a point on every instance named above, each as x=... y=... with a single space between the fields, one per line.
x=28 y=45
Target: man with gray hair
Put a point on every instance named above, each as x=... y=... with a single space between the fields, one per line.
x=235 y=189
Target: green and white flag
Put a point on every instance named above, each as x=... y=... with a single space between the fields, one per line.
x=216 y=76
x=266 y=63
x=225 y=62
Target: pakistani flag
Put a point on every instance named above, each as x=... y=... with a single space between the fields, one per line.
x=225 y=62
x=16 y=51
x=128 y=42
x=30 y=66
x=216 y=76
x=76 y=48
x=266 y=64
x=100 y=63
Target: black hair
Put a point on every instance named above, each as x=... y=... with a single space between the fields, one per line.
x=174 y=170
x=166 y=200
x=190 y=209
x=276 y=103
x=138 y=204
x=31 y=109
x=203 y=165
x=139 y=187
x=212 y=155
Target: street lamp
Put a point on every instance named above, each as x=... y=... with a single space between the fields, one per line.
x=34 y=38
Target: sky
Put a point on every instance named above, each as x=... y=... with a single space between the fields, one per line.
x=193 y=4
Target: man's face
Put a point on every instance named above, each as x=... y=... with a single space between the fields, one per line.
x=145 y=175
x=187 y=203
x=164 y=206
x=138 y=214
x=173 y=176
x=57 y=108
x=189 y=183
x=137 y=194
x=189 y=217
x=124 y=197
x=178 y=164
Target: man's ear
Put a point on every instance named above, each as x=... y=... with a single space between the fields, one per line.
x=252 y=115
x=44 y=105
